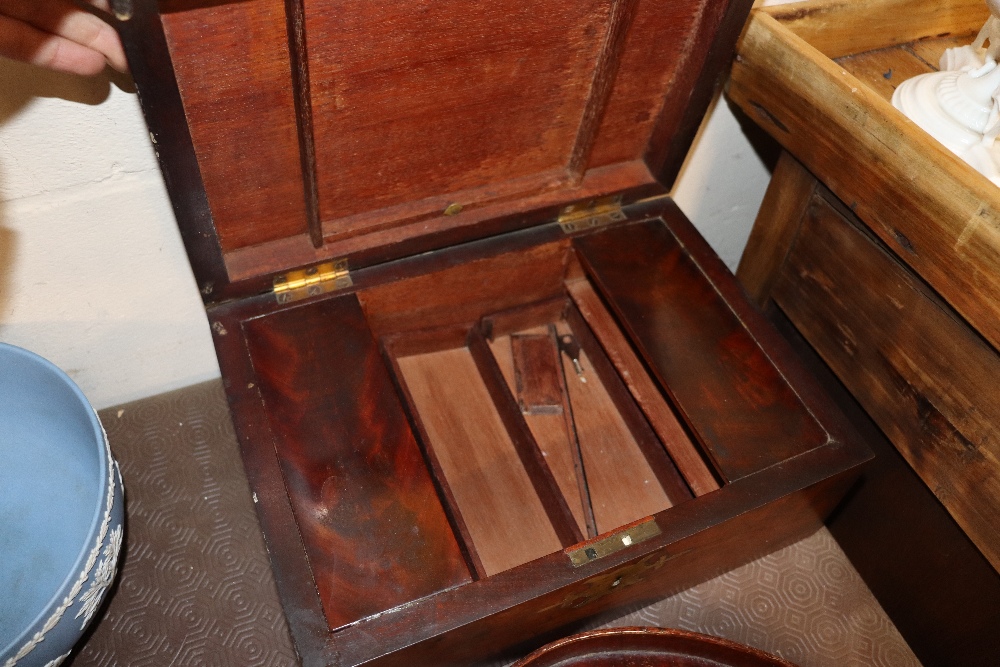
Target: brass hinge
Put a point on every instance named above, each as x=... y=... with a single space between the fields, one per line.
x=592 y=213
x=319 y=279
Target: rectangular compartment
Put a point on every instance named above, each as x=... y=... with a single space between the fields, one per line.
x=535 y=436
x=505 y=482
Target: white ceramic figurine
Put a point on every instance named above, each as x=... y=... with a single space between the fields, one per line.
x=960 y=105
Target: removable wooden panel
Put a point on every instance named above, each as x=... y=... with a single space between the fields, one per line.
x=367 y=510
x=504 y=516
x=537 y=375
x=742 y=409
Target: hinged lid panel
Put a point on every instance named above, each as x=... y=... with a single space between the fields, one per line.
x=328 y=128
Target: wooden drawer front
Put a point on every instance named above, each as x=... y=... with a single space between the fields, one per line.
x=924 y=376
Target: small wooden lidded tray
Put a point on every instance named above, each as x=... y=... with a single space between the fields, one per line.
x=819 y=77
x=484 y=385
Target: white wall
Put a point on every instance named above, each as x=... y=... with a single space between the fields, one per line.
x=723 y=181
x=722 y=184
x=94 y=277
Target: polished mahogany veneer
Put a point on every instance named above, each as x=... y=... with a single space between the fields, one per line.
x=488 y=440
x=512 y=405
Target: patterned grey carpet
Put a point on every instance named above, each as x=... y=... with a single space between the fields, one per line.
x=196 y=589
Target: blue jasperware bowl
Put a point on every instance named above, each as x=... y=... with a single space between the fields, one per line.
x=61 y=511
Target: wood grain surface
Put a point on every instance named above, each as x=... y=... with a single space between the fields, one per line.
x=673 y=437
x=486 y=115
x=537 y=375
x=504 y=515
x=836 y=29
x=241 y=114
x=422 y=93
x=463 y=292
x=620 y=16
x=366 y=508
x=532 y=458
x=647 y=444
x=734 y=399
x=775 y=227
x=933 y=210
x=926 y=378
x=885 y=69
x=556 y=437
x=930 y=49
x=623 y=487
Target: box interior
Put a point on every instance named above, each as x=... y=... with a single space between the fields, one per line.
x=537 y=425
x=458 y=421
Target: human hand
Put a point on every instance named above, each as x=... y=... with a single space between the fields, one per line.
x=59 y=35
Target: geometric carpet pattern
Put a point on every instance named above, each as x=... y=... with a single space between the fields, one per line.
x=804 y=603
x=195 y=587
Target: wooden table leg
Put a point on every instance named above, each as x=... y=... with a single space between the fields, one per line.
x=774 y=230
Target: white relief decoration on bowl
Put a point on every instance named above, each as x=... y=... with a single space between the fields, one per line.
x=58 y=661
x=70 y=598
x=103 y=577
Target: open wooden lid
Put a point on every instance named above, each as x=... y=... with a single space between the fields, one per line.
x=294 y=132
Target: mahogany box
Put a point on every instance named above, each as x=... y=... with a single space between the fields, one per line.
x=486 y=377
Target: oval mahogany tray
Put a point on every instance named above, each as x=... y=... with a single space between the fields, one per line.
x=647 y=647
